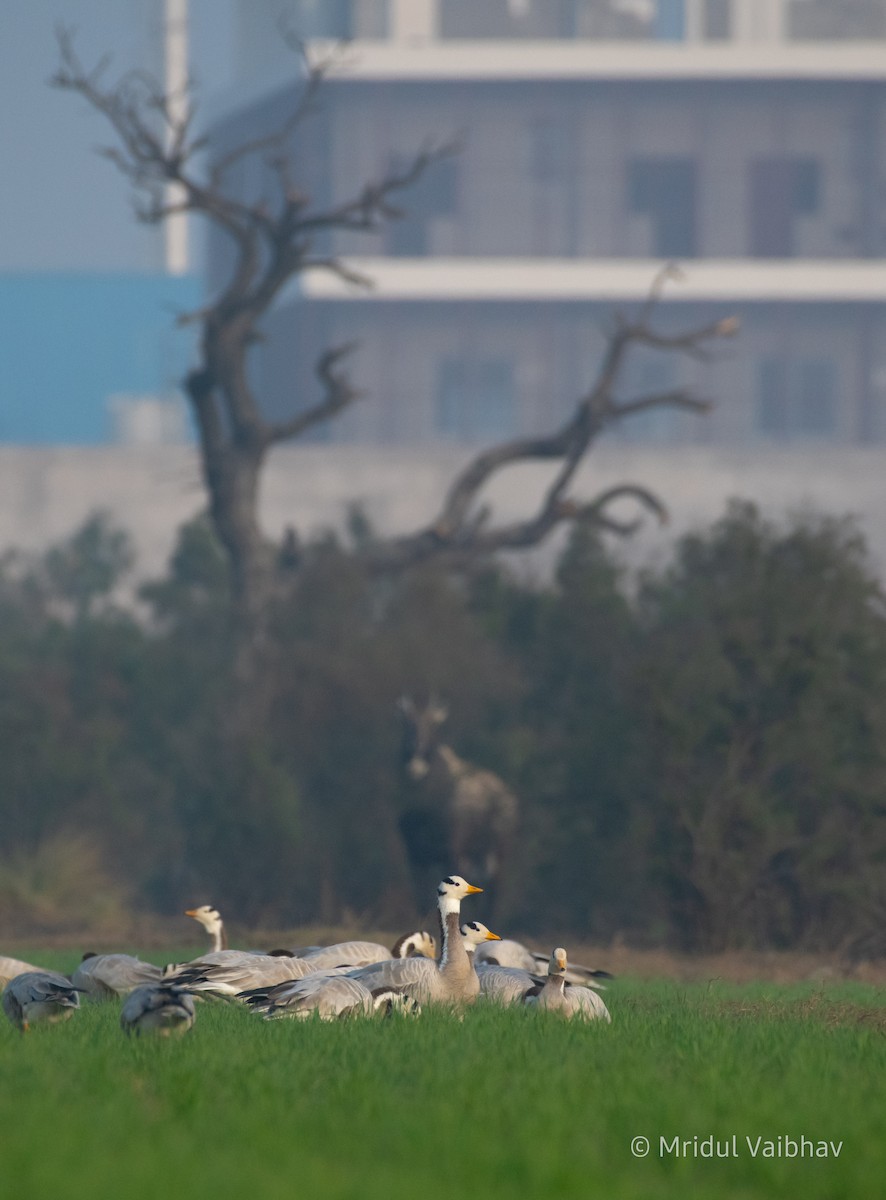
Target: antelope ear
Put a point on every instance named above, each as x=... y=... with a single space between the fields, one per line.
x=406 y=706
x=437 y=710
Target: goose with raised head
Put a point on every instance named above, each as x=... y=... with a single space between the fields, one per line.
x=452 y=980
x=43 y=996
x=419 y=944
x=160 y=1009
x=509 y=953
x=555 y=994
x=108 y=976
x=210 y=919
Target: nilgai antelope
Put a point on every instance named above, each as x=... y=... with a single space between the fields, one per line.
x=475 y=818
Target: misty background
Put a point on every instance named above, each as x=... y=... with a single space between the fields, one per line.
x=692 y=719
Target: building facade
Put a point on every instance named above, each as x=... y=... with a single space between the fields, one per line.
x=600 y=139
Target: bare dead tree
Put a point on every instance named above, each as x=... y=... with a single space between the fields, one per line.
x=274 y=239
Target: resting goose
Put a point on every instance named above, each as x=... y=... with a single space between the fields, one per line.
x=10 y=967
x=39 y=996
x=362 y=954
x=330 y=997
x=337 y=993
x=229 y=972
x=452 y=980
x=157 y=1008
x=569 y=1000
x=504 y=985
x=509 y=953
x=107 y=976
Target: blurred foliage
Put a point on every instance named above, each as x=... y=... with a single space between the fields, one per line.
x=699 y=757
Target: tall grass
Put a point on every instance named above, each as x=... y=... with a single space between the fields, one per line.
x=499 y=1104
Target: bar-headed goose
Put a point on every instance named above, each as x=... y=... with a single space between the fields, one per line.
x=504 y=985
x=39 y=996
x=218 y=954
x=329 y=997
x=336 y=992
x=157 y=1008
x=107 y=976
x=452 y=980
x=210 y=919
x=229 y=972
x=567 y=999
x=419 y=944
x=509 y=953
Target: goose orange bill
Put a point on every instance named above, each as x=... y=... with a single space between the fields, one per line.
x=471 y=889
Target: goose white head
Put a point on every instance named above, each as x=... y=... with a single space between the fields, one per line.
x=557 y=964
x=209 y=918
x=452 y=891
x=474 y=933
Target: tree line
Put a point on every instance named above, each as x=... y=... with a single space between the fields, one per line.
x=699 y=753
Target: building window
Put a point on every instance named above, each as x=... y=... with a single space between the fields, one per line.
x=815 y=401
x=324 y=18
x=826 y=19
x=717 y=16
x=433 y=195
x=651 y=373
x=670 y=20
x=663 y=189
x=551 y=151
x=781 y=190
x=476 y=400
x=796 y=397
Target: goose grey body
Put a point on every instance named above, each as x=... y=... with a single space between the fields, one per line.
x=330 y=997
x=567 y=999
x=361 y=954
x=39 y=996
x=509 y=953
x=504 y=985
x=107 y=976
x=230 y=972
x=160 y=1009
x=337 y=992
x=452 y=980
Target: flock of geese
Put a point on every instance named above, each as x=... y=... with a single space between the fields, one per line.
x=328 y=982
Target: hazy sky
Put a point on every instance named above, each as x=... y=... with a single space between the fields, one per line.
x=62 y=207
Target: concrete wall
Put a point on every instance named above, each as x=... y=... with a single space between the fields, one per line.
x=46 y=494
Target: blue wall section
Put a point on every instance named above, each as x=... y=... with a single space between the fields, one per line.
x=69 y=341
x=670 y=24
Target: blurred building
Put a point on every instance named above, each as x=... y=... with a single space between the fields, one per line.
x=89 y=353
x=743 y=139
x=82 y=352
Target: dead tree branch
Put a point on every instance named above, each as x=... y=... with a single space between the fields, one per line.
x=462 y=527
x=273 y=238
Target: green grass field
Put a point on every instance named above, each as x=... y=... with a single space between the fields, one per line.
x=503 y=1103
